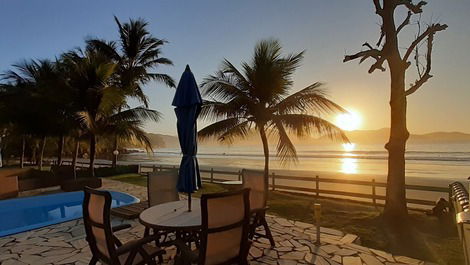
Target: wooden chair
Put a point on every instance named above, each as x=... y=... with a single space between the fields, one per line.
x=161 y=188
x=104 y=245
x=224 y=233
x=254 y=180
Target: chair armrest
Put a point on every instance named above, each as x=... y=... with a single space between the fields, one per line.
x=134 y=244
x=121 y=227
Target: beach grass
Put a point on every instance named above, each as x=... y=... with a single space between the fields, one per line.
x=426 y=238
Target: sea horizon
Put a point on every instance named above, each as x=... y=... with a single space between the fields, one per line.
x=433 y=162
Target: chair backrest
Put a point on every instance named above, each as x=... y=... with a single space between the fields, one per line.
x=225 y=225
x=96 y=219
x=161 y=187
x=254 y=180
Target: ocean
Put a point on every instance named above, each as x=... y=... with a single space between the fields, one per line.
x=441 y=163
x=426 y=164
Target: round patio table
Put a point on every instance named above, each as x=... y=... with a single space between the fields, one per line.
x=173 y=216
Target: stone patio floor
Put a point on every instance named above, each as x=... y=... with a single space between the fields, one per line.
x=65 y=243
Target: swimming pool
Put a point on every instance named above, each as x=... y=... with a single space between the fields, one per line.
x=23 y=214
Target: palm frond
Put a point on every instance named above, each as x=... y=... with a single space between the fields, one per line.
x=239 y=131
x=218 y=128
x=310 y=99
x=285 y=149
x=307 y=125
x=212 y=110
x=164 y=78
x=136 y=114
x=223 y=87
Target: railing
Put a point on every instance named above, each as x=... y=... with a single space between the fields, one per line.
x=308 y=185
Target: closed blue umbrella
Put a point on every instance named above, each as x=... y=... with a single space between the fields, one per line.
x=188 y=103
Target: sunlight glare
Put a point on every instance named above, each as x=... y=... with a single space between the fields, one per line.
x=349 y=165
x=348 y=147
x=349 y=121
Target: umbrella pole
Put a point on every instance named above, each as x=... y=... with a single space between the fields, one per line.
x=189 y=201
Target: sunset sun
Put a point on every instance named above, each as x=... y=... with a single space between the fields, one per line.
x=349 y=121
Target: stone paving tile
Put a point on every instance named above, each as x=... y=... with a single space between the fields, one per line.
x=295 y=243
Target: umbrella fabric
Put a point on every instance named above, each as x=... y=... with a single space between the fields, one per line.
x=188 y=106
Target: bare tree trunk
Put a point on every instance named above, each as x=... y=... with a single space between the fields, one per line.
x=115 y=148
x=23 y=147
x=60 y=149
x=41 y=154
x=75 y=158
x=264 y=140
x=92 y=154
x=388 y=50
x=395 y=205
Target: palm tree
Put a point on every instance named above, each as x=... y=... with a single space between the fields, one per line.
x=257 y=98
x=90 y=77
x=34 y=106
x=127 y=124
x=136 y=53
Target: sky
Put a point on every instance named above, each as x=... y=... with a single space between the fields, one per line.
x=202 y=33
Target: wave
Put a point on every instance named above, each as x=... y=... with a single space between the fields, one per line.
x=311 y=154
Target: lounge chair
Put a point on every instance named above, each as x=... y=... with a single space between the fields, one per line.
x=105 y=246
x=224 y=234
x=254 y=180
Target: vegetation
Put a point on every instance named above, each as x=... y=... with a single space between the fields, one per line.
x=388 y=50
x=257 y=99
x=83 y=95
x=430 y=240
x=136 y=52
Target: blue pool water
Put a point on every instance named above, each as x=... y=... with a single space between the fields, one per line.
x=23 y=214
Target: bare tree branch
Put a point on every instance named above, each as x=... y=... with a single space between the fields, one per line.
x=378 y=8
x=364 y=55
x=432 y=29
x=415 y=8
x=382 y=35
x=405 y=22
x=424 y=77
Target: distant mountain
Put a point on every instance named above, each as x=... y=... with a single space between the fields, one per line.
x=361 y=136
x=381 y=136
x=441 y=137
x=163 y=140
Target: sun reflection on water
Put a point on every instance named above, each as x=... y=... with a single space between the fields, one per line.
x=349 y=165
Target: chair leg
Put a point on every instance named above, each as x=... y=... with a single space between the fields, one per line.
x=268 y=231
x=93 y=261
x=146 y=232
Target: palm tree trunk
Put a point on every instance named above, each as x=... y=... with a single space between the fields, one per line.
x=33 y=159
x=92 y=154
x=115 y=148
x=60 y=149
x=264 y=140
x=41 y=154
x=23 y=147
x=75 y=158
